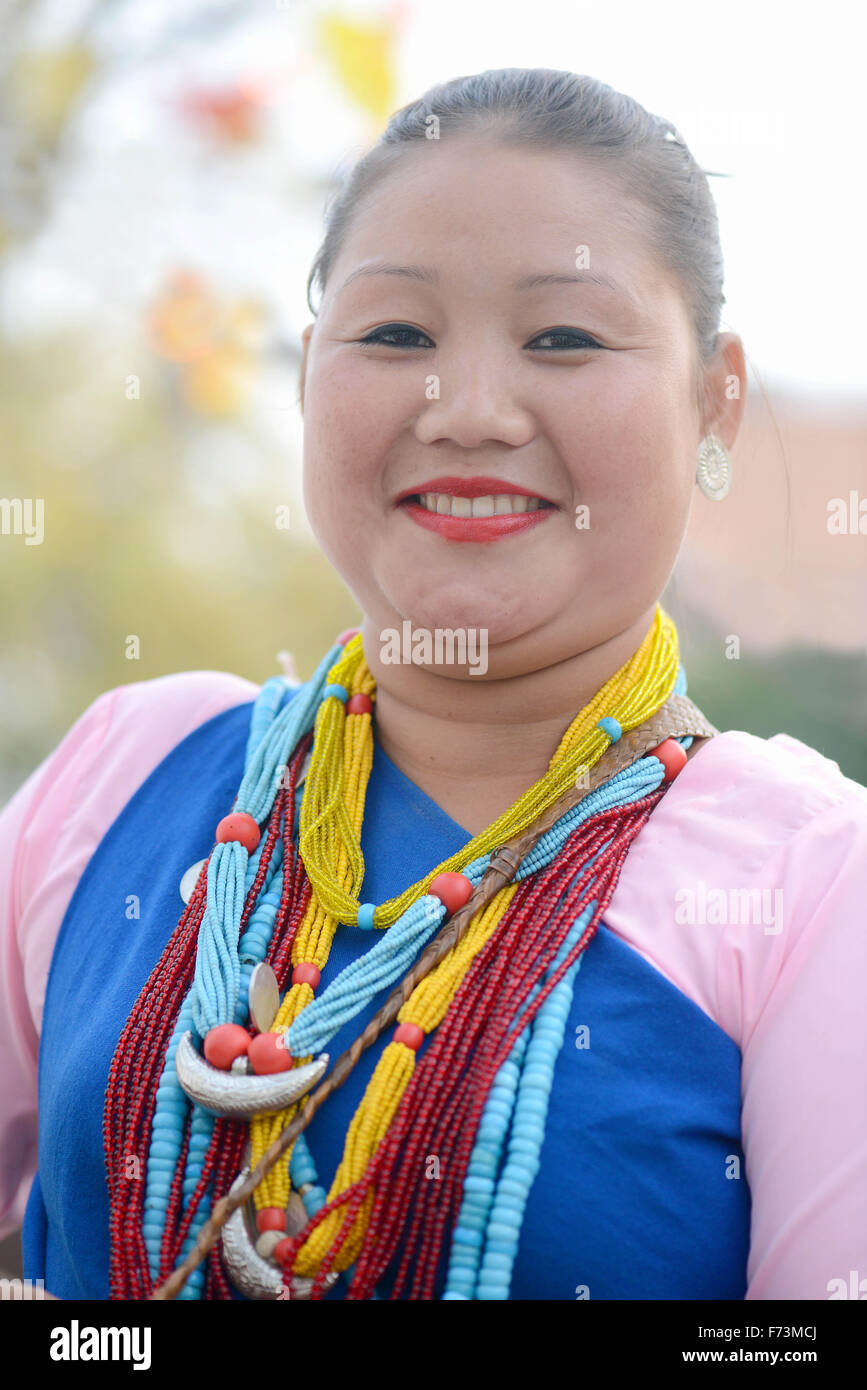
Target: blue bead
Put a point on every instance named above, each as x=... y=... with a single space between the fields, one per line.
x=464 y=1258
x=504 y=1226
x=478 y=1184
x=498 y=1109
x=365 y=915
x=451 y=1297
x=512 y=1189
x=166 y=1124
x=520 y=1168
x=160 y=1148
x=530 y=1132
x=495 y=1261
x=508 y=1248
x=521 y=1148
x=338 y=691
x=462 y=1235
x=610 y=726
x=532 y=1106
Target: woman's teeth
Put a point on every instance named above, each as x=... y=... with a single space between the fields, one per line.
x=504 y=504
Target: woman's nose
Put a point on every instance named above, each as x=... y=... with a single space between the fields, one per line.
x=470 y=404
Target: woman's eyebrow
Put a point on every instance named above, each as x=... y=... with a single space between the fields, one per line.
x=428 y=275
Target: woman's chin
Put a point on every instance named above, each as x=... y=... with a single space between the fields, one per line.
x=500 y=624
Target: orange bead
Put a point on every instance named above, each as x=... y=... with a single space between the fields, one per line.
x=410 y=1035
x=281 y=1250
x=224 y=1043
x=268 y=1053
x=306 y=974
x=672 y=756
x=359 y=704
x=453 y=890
x=241 y=827
x=271 y=1219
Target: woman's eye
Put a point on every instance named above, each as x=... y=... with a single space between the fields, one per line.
x=561 y=339
x=394 y=335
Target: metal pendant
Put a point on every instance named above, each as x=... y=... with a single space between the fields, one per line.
x=250 y=1272
x=264 y=996
x=240 y=1097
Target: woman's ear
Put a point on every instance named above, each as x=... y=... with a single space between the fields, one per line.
x=725 y=389
x=305 y=345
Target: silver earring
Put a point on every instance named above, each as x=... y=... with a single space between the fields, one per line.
x=714 y=471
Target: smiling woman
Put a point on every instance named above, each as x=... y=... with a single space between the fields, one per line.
x=512 y=389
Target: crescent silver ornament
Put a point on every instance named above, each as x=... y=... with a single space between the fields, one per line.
x=227 y=1093
x=252 y=1274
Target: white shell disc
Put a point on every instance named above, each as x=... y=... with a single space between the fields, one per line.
x=264 y=996
x=190 y=879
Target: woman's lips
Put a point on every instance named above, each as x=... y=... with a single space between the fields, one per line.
x=473 y=528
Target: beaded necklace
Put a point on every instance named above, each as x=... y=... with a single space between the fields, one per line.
x=259 y=898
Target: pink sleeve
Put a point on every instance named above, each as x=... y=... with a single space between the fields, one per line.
x=778 y=835
x=48 y=832
x=803 y=1030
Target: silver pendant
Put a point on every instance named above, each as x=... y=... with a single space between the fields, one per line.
x=264 y=996
x=252 y=1274
x=227 y=1093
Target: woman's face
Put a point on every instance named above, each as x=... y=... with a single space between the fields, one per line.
x=576 y=387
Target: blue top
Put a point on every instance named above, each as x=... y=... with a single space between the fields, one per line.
x=633 y=1199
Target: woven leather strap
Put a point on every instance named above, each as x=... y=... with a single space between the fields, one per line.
x=675 y=719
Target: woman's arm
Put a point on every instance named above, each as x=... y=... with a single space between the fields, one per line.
x=32 y=891
x=804 y=1074
x=48 y=832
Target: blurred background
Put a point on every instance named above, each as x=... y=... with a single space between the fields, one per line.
x=163 y=173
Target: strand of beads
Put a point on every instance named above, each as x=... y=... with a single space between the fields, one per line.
x=217 y=979
x=428 y=1004
x=492 y=1213
x=491 y=1217
x=172 y=1104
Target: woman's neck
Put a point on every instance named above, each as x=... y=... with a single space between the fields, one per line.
x=474 y=746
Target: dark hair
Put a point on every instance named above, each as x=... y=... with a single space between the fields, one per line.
x=550 y=109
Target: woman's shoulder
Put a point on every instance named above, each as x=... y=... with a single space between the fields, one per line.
x=127 y=730
x=156 y=714
x=776 y=785
x=54 y=822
